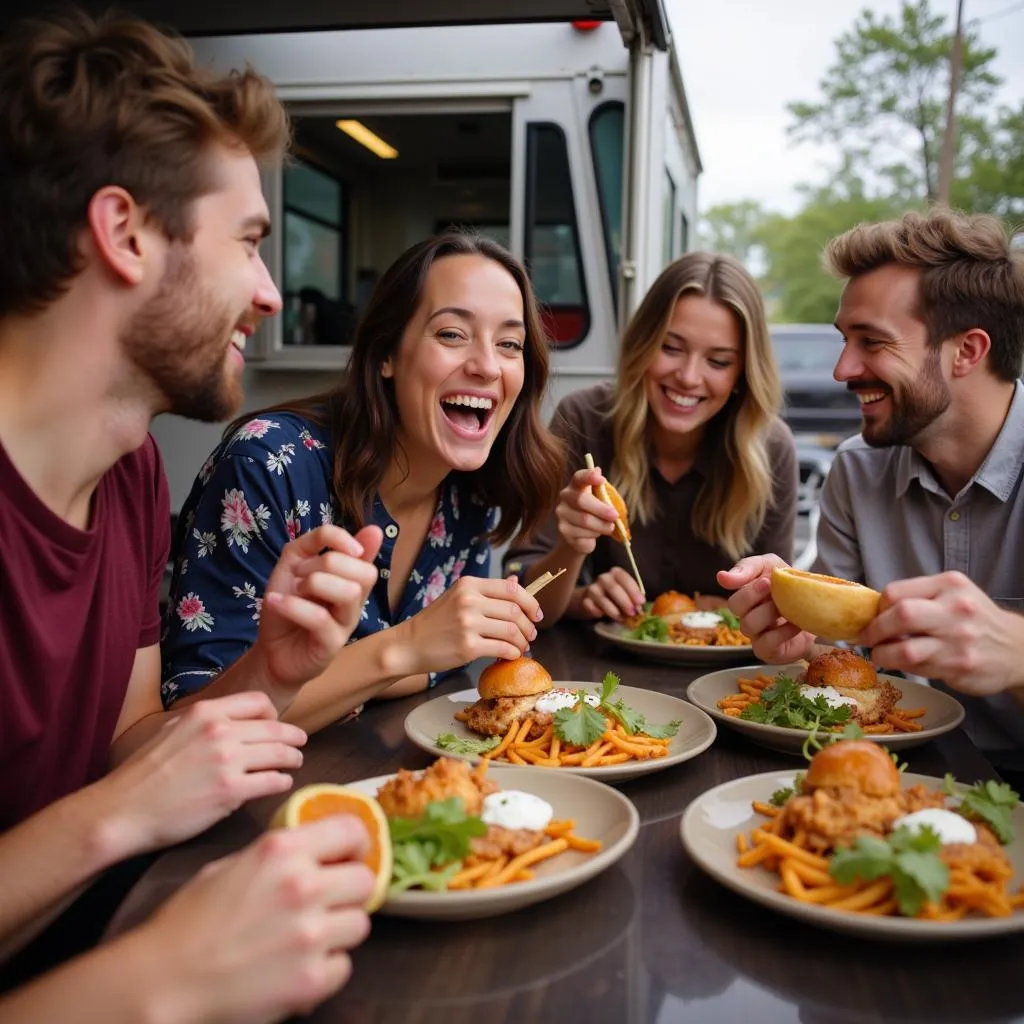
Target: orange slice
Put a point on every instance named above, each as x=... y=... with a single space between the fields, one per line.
x=312 y=803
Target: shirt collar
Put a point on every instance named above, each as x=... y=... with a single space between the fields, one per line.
x=997 y=474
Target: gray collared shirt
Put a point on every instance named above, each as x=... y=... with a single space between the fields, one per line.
x=885 y=516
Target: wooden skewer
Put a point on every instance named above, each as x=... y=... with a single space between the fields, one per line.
x=619 y=525
x=542 y=581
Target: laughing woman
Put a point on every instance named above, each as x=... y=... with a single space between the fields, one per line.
x=691 y=438
x=435 y=436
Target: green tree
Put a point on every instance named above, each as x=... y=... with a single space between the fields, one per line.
x=734 y=228
x=995 y=179
x=884 y=99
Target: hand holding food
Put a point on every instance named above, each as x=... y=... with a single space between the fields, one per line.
x=849 y=836
x=313 y=601
x=774 y=639
x=582 y=516
x=945 y=627
x=475 y=618
x=265 y=933
x=823 y=605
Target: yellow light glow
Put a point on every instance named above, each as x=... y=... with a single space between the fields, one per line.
x=374 y=143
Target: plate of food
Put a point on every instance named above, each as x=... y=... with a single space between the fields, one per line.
x=778 y=706
x=520 y=716
x=856 y=846
x=678 y=628
x=454 y=842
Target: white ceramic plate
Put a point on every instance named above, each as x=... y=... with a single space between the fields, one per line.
x=942 y=713
x=599 y=811
x=712 y=822
x=696 y=733
x=671 y=654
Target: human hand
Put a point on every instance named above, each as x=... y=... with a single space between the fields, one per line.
x=774 y=639
x=202 y=765
x=582 y=516
x=945 y=627
x=475 y=618
x=614 y=595
x=265 y=933
x=312 y=603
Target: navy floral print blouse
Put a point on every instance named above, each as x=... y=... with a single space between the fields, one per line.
x=263 y=486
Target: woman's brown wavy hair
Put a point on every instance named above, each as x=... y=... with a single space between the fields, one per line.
x=523 y=472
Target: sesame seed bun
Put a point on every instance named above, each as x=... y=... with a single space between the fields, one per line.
x=522 y=677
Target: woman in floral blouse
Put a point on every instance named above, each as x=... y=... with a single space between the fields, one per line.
x=435 y=436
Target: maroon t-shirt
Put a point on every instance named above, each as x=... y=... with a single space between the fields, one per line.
x=74 y=608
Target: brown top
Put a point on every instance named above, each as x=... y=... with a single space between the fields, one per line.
x=668 y=554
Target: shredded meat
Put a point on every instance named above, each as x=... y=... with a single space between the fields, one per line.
x=838 y=815
x=407 y=795
x=505 y=841
x=494 y=717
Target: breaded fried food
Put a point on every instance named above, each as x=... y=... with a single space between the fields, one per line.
x=854 y=677
x=494 y=717
x=407 y=795
x=507 y=842
x=509 y=691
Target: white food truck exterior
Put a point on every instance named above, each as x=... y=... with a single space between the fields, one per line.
x=571 y=143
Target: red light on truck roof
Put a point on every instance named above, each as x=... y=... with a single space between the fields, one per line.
x=586 y=26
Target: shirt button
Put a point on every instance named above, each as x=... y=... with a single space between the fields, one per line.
x=391 y=530
x=954 y=516
x=385 y=574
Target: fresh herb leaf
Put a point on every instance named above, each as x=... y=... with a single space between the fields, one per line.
x=650 y=627
x=780 y=796
x=728 y=617
x=580 y=725
x=851 y=731
x=783 y=704
x=609 y=685
x=910 y=858
x=428 y=851
x=991 y=802
x=466 y=745
x=660 y=732
x=632 y=721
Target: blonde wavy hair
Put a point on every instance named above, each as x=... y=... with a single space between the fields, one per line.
x=733 y=501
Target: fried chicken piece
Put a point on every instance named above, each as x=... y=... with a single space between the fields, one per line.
x=501 y=841
x=855 y=677
x=679 y=634
x=494 y=717
x=407 y=795
x=832 y=816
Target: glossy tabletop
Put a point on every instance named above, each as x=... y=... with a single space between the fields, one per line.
x=650 y=941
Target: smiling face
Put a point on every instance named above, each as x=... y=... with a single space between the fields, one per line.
x=887 y=361
x=460 y=366
x=188 y=338
x=699 y=362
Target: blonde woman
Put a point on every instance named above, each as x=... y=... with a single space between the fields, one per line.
x=689 y=435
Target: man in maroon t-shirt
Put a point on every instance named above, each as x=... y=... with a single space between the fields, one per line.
x=131 y=214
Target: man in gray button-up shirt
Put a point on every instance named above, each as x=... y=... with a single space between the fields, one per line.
x=933 y=321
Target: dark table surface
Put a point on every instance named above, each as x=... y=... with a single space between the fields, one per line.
x=650 y=940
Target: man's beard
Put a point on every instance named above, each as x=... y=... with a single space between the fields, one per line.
x=914 y=408
x=179 y=341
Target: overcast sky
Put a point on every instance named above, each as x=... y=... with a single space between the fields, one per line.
x=744 y=60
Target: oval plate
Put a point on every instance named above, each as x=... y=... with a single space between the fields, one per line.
x=712 y=822
x=696 y=733
x=599 y=811
x=671 y=654
x=942 y=713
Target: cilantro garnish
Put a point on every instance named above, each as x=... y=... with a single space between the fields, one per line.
x=910 y=858
x=783 y=704
x=582 y=724
x=990 y=802
x=466 y=745
x=650 y=627
x=780 y=796
x=428 y=850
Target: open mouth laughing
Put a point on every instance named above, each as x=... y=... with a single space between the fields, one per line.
x=468 y=414
x=682 y=402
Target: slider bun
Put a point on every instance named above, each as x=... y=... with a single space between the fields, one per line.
x=823 y=605
x=672 y=605
x=854 y=764
x=844 y=670
x=613 y=498
x=521 y=677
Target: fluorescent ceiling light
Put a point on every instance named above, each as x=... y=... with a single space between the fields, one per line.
x=374 y=143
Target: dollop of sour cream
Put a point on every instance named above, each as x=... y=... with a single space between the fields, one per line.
x=701 y=620
x=833 y=698
x=512 y=808
x=560 y=697
x=949 y=826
